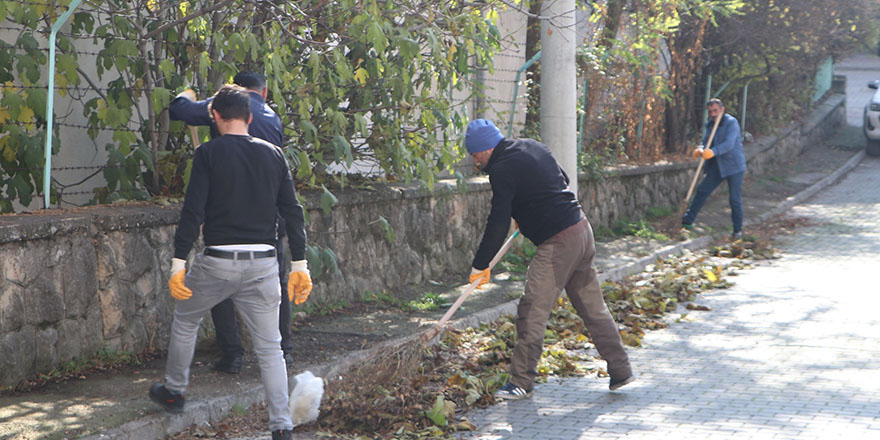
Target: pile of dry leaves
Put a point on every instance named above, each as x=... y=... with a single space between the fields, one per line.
x=466 y=367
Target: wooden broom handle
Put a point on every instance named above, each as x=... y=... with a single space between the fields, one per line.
x=700 y=166
x=473 y=285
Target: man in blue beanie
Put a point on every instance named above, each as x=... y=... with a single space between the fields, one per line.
x=530 y=186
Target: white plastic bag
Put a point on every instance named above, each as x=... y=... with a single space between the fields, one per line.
x=306 y=398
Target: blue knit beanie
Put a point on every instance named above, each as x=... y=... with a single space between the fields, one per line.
x=481 y=135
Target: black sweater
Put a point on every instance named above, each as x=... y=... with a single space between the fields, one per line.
x=238 y=185
x=530 y=186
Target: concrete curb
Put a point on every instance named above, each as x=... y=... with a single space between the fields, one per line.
x=160 y=424
x=827 y=181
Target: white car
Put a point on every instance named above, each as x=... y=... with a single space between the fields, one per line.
x=872 y=121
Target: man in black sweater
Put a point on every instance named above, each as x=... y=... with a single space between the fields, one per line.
x=530 y=186
x=267 y=126
x=238 y=187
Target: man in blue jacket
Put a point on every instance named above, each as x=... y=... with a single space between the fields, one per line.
x=530 y=186
x=725 y=160
x=265 y=125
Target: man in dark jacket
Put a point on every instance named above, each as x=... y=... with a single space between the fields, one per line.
x=265 y=125
x=530 y=186
x=238 y=187
x=725 y=160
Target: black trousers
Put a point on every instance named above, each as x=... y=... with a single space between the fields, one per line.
x=223 y=314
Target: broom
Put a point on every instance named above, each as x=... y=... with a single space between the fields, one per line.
x=385 y=366
x=673 y=223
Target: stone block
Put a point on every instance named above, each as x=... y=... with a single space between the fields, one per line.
x=45 y=347
x=11 y=308
x=17 y=355
x=77 y=274
x=43 y=303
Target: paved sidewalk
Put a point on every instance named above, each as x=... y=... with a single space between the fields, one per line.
x=115 y=405
x=789 y=352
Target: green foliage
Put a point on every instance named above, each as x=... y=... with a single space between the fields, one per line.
x=322 y=261
x=779 y=46
x=641 y=229
x=518 y=257
x=627 y=89
x=353 y=82
x=428 y=302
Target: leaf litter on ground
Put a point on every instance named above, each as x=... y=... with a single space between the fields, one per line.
x=466 y=367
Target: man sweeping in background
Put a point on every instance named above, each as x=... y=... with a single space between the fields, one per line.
x=530 y=186
x=724 y=161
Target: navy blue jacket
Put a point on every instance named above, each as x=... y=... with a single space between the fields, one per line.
x=266 y=124
x=727 y=146
x=530 y=186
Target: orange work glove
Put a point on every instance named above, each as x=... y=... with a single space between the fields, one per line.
x=698 y=152
x=708 y=154
x=178 y=274
x=299 y=283
x=482 y=275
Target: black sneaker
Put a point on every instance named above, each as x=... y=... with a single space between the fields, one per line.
x=231 y=365
x=169 y=400
x=282 y=434
x=512 y=392
x=615 y=384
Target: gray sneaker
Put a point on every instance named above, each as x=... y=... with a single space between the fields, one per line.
x=738 y=235
x=512 y=392
x=615 y=384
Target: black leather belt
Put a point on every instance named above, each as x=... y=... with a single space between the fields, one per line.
x=239 y=255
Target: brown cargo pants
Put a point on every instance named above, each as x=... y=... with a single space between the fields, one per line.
x=565 y=261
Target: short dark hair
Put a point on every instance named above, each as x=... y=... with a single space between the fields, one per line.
x=232 y=102
x=715 y=101
x=250 y=80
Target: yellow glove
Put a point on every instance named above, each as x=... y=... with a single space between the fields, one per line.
x=697 y=153
x=482 y=275
x=188 y=94
x=178 y=274
x=708 y=154
x=299 y=283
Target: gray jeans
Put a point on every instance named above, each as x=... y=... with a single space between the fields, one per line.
x=254 y=288
x=565 y=261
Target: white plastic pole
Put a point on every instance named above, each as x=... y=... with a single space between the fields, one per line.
x=50 y=99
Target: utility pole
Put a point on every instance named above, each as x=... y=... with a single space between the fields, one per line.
x=559 y=84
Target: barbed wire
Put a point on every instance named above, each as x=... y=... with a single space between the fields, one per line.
x=72 y=168
x=122 y=192
x=93 y=127
x=77 y=88
x=111 y=37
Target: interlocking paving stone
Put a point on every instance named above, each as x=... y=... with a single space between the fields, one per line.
x=789 y=352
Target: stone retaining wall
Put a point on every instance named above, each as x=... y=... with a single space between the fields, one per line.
x=76 y=281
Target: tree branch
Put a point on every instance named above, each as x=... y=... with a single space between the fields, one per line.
x=186 y=18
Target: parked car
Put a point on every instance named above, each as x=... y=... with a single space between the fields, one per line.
x=872 y=121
